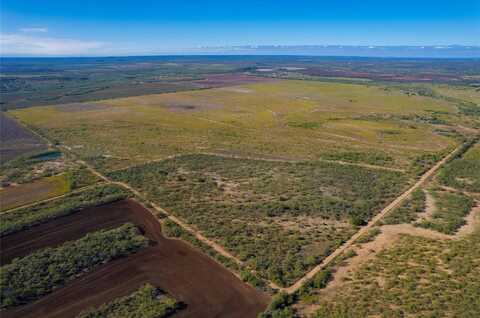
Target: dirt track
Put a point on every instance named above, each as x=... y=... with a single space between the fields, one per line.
x=208 y=289
x=427 y=175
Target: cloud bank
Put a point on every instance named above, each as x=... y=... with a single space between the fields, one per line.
x=29 y=45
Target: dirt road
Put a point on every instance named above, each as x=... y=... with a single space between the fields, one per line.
x=293 y=288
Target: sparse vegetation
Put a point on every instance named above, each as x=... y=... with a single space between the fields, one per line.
x=280 y=218
x=450 y=212
x=408 y=211
x=370 y=236
x=463 y=173
x=417 y=277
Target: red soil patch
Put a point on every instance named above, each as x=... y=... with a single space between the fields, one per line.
x=16 y=140
x=207 y=288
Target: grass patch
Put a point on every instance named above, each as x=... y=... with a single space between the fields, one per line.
x=280 y=119
x=42 y=189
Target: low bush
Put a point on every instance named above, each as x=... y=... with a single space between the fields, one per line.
x=408 y=211
x=30 y=277
x=147 y=302
x=21 y=219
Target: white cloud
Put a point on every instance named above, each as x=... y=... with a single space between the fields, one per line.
x=34 y=30
x=21 y=45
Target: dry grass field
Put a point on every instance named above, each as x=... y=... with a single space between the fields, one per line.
x=14 y=196
x=282 y=119
x=281 y=173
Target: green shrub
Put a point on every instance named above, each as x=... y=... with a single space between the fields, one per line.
x=408 y=211
x=147 y=302
x=21 y=219
x=30 y=277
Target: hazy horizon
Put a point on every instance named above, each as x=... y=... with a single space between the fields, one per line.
x=110 y=28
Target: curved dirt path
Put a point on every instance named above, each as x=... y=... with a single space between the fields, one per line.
x=389 y=235
x=367 y=251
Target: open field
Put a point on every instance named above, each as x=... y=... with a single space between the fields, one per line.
x=203 y=285
x=16 y=141
x=317 y=178
x=280 y=218
x=32 y=82
x=14 y=196
x=285 y=119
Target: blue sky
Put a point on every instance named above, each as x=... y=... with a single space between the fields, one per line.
x=70 y=27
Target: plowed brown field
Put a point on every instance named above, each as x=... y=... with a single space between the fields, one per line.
x=207 y=288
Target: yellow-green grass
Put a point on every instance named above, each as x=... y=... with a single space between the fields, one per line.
x=287 y=119
x=473 y=153
x=45 y=188
x=466 y=93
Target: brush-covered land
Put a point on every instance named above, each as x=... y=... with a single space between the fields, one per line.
x=280 y=218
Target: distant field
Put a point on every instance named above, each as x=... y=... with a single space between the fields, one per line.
x=17 y=141
x=41 y=189
x=280 y=218
x=283 y=119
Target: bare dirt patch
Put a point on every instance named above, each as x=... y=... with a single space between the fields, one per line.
x=207 y=288
x=430 y=207
x=472 y=219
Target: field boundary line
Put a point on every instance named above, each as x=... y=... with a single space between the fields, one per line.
x=395 y=203
x=52 y=198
